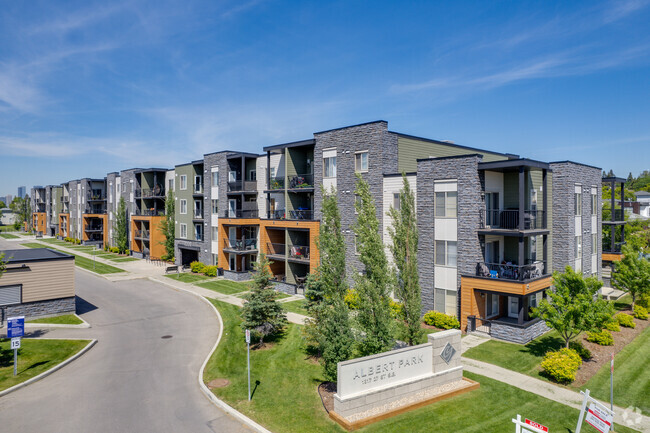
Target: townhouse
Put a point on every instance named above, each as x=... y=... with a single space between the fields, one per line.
x=493 y=226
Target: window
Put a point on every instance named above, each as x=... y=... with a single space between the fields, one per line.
x=329 y=166
x=446 y=204
x=444 y=301
x=198 y=232
x=446 y=252
x=183 y=185
x=578 y=247
x=252 y=175
x=492 y=305
x=578 y=203
x=272 y=172
x=215 y=259
x=594 y=204
x=198 y=183
x=183 y=206
x=215 y=178
x=594 y=243
x=215 y=234
x=198 y=209
x=361 y=162
x=171 y=184
x=396 y=201
x=215 y=207
x=183 y=231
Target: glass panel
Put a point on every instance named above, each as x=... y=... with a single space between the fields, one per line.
x=396 y=202
x=439 y=300
x=452 y=199
x=215 y=178
x=450 y=302
x=578 y=247
x=440 y=204
x=440 y=253
x=451 y=253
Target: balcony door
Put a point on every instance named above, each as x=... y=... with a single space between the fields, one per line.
x=492 y=252
x=513 y=307
x=232 y=208
x=492 y=208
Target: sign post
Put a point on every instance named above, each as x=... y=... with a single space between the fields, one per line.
x=528 y=426
x=248 y=354
x=598 y=416
x=611 y=387
x=15 y=330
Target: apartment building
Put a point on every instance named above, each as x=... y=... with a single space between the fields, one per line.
x=53 y=207
x=191 y=216
x=64 y=214
x=38 y=203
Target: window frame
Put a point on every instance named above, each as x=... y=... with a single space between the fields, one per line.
x=578 y=247
x=577 y=205
x=397 y=201
x=445 y=253
x=215 y=178
x=183 y=182
x=329 y=164
x=183 y=228
x=594 y=243
x=445 y=204
x=215 y=207
x=182 y=204
x=358 y=161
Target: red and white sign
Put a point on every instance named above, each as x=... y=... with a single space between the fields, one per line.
x=598 y=418
x=538 y=426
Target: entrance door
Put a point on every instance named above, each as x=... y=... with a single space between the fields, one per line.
x=492 y=252
x=232 y=208
x=513 y=307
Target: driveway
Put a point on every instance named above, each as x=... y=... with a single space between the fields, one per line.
x=132 y=380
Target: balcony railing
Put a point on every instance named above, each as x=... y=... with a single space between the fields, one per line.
x=96 y=196
x=198 y=214
x=149 y=212
x=299 y=252
x=239 y=186
x=276 y=249
x=509 y=219
x=198 y=188
x=512 y=272
x=298 y=214
x=619 y=215
x=156 y=192
x=141 y=234
x=618 y=247
x=239 y=213
x=276 y=183
x=240 y=244
x=301 y=181
x=93 y=228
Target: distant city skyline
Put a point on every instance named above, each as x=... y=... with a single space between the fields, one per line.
x=90 y=88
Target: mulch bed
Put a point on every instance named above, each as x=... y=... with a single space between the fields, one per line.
x=218 y=383
x=326 y=390
x=601 y=355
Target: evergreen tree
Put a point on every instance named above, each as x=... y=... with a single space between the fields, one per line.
x=630 y=178
x=611 y=173
x=372 y=285
x=404 y=234
x=168 y=228
x=632 y=274
x=574 y=306
x=262 y=313
x=120 y=227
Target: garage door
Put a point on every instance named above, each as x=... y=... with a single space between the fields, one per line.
x=10 y=295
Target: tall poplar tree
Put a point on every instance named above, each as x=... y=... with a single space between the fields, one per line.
x=120 y=227
x=373 y=284
x=404 y=234
x=167 y=226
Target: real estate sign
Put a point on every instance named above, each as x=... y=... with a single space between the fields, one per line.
x=598 y=418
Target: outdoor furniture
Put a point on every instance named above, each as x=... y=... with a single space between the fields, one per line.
x=173 y=268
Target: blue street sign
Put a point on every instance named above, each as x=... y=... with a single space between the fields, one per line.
x=15 y=327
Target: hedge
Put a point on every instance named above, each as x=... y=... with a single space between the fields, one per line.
x=562 y=365
x=441 y=320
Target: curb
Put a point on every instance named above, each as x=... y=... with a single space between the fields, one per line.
x=83 y=325
x=51 y=370
x=209 y=395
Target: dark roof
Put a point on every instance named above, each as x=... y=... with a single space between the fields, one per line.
x=147 y=170
x=244 y=154
x=198 y=161
x=473 y=155
x=613 y=179
x=34 y=254
x=411 y=173
x=309 y=142
x=576 y=163
x=513 y=164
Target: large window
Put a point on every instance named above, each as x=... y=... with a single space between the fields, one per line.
x=215 y=207
x=183 y=207
x=198 y=232
x=578 y=247
x=183 y=182
x=361 y=162
x=594 y=204
x=329 y=166
x=183 y=231
x=444 y=301
x=446 y=252
x=446 y=204
x=578 y=204
x=215 y=178
x=594 y=243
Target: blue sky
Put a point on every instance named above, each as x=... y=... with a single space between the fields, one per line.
x=91 y=87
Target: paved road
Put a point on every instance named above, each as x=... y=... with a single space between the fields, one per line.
x=132 y=380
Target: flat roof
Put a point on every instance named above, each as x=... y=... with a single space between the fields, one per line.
x=613 y=179
x=440 y=158
x=512 y=164
x=576 y=163
x=309 y=142
x=34 y=254
x=351 y=126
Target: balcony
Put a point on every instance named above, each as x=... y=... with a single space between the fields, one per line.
x=301 y=181
x=197 y=189
x=616 y=217
x=198 y=214
x=149 y=212
x=94 y=196
x=276 y=249
x=240 y=245
x=617 y=249
x=298 y=214
x=299 y=253
x=509 y=219
x=241 y=213
x=511 y=272
x=92 y=228
x=156 y=192
x=141 y=234
x=276 y=183
x=245 y=186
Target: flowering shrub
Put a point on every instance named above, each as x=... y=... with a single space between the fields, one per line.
x=562 y=365
x=352 y=299
x=441 y=320
x=602 y=338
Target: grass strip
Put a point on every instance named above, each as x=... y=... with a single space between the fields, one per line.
x=82 y=262
x=298 y=307
x=188 y=277
x=34 y=357
x=8 y=236
x=225 y=286
x=65 y=319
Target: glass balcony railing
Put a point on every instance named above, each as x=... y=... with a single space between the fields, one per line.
x=301 y=181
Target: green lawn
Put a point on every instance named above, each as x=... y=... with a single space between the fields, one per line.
x=34 y=357
x=82 y=262
x=225 y=286
x=623 y=303
x=9 y=228
x=282 y=295
x=298 y=307
x=188 y=277
x=65 y=319
x=8 y=236
x=123 y=259
x=631 y=376
x=286 y=397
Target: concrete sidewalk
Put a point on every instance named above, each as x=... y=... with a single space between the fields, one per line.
x=547 y=390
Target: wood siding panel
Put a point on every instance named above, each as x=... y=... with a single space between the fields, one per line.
x=44 y=280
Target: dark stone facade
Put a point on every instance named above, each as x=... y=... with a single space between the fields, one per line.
x=516 y=334
x=464 y=169
x=51 y=307
x=237 y=276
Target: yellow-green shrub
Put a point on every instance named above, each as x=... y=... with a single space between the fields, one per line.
x=210 y=271
x=625 y=320
x=640 y=312
x=562 y=365
x=352 y=299
x=197 y=267
x=602 y=338
x=441 y=320
x=396 y=309
x=613 y=326
x=644 y=301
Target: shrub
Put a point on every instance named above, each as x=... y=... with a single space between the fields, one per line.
x=580 y=349
x=105 y=247
x=197 y=267
x=644 y=301
x=625 y=320
x=613 y=326
x=640 y=312
x=441 y=320
x=396 y=309
x=352 y=299
x=562 y=365
x=602 y=338
x=114 y=250
x=210 y=271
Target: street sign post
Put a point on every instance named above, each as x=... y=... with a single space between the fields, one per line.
x=528 y=426
x=611 y=387
x=598 y=416
x=248 y=355
x=15 y=330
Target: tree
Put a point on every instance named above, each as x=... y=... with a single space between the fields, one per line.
x=630 y=178
x=167 y=226
x=574 y=305
x=611 y=173
x=329 y=329
x=632 y=274
x=404 y=234
x=120 y=226
x=23 y=209
x=2 y=204
x=373 y=285
x=262 y=313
